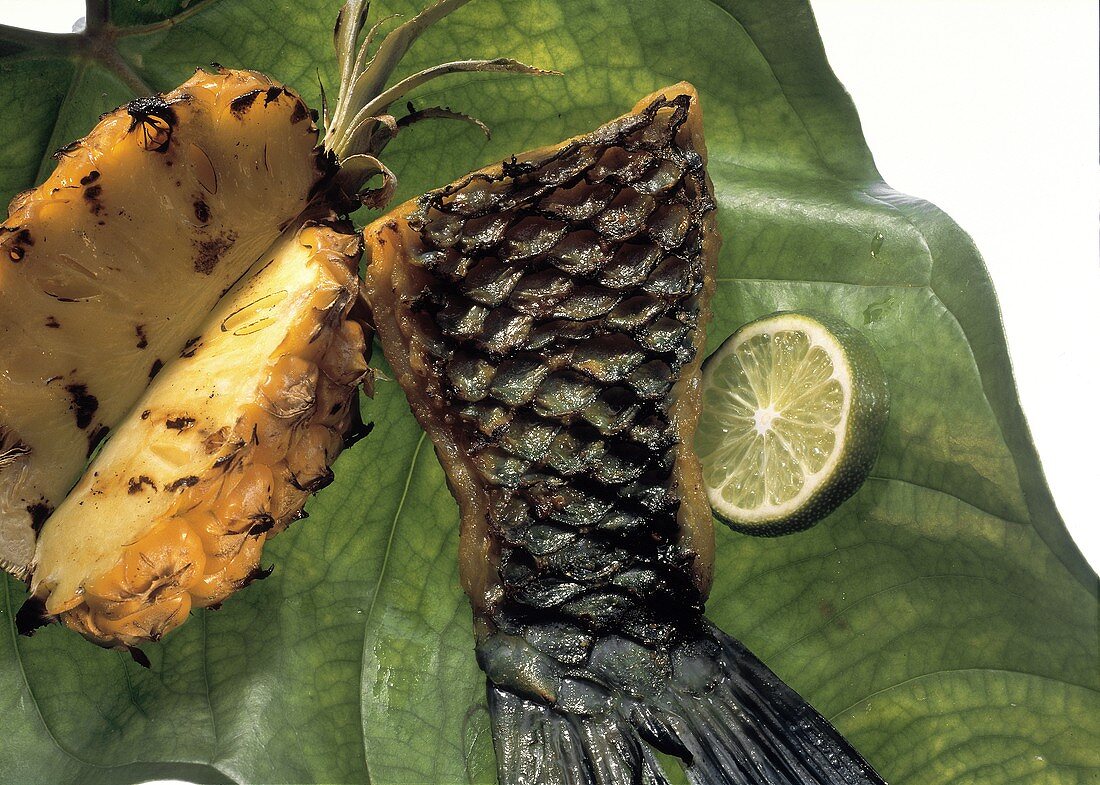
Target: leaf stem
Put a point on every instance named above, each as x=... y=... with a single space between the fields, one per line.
x=53 y=43
x=165 y=24
x=97 y=16
x=108 y=55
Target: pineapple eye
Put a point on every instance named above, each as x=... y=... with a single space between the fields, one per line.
x=155 y=134
x=156 y=119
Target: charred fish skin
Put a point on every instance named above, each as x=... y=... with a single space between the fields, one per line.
x=546 y=320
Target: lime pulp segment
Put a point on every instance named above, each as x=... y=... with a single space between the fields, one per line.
x=775 y=430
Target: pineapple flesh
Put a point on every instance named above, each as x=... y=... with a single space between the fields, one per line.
x=219 y=454
x=131 y=300
x=110 y=267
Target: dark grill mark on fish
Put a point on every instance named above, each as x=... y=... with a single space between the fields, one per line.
x=83 y=404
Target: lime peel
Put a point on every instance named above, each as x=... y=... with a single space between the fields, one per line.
x=794 y=406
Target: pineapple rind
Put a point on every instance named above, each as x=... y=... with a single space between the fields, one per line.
x=110 y=266
x=220 y=454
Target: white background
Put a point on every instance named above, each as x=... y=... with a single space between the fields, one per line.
x=989 y=109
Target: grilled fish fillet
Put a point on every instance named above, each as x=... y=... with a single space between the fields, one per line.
x=545 y=318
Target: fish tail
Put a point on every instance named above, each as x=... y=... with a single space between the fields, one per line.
x=706 y=701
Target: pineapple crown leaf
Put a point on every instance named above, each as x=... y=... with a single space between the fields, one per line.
x=352 y=136
x=364 y=168
x=441 y=113
x=360 y=123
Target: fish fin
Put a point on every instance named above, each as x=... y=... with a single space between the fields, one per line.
x=726 y=717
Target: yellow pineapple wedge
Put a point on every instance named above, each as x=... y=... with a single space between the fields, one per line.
x=145 y=296
x=224 y=448
x=111 y=266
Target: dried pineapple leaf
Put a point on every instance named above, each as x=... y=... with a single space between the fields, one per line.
x=402 y=88
x=366 y=167
x=363 y=94
x=358 y=88
x=441 y=113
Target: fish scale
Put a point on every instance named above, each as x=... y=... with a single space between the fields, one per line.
x=545 y=319
x=588 y=394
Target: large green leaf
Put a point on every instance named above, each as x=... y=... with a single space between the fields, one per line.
x=942 y=618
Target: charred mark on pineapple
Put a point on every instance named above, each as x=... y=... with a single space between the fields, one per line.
x=181 y=483
x=137 y=484
x=39 y=512
x=209 y=252
x=20 y=240
x=181 y=423
x=82 y=404
x=143 y=340
x=315 y=484
x=155 y=369
x=145 y=414
x=300 y=113
x=90 y=178
x=258 y=574
x=95 y=437
x=202 y=211
x=262 y=523
x=51 y=322
x=32 y=616
x=358 y=429
x=91 y=196
x=273 y=94
x=156 y=118
x=191 y=347
x=242 y=103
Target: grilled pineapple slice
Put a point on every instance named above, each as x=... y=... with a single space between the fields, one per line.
x=242 y=420
x=221 y=453
x=110 y=266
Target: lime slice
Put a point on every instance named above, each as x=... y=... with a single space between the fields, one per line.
x=794 y=406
